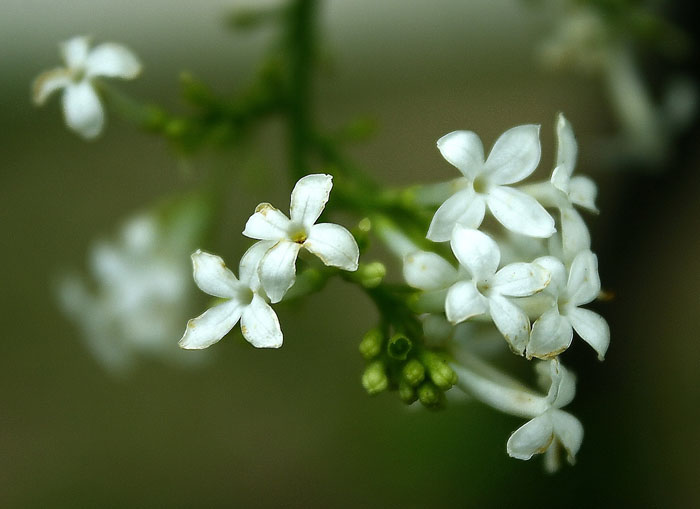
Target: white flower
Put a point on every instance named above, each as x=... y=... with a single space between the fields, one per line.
x=140 y=293
x=244 y=301
x=552 y=332
x=81 y=105
x=333 y=244
x=487 y=291
x=514 y=156
x=553 y=427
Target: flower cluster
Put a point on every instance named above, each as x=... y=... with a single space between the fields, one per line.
x=268 y=269
x=549 y=275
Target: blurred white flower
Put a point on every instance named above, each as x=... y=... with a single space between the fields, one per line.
x=139 y=295
x=333 y=244
x=245 y=301
x=82 y=108
x=553 y=427
x=514 y=156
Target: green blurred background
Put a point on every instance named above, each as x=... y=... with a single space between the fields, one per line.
x=293 y=427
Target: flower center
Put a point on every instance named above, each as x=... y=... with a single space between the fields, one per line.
x=298 y=235
x=78 y=74
x=481 y=185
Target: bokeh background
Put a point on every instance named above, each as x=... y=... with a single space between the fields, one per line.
x=293 y=427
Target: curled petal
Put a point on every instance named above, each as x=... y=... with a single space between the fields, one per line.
x=75 y=51
x=551 y=334
x=574 y=233
x=83 y=110
x=309 y=198
x=519 y=212
x=592 y=328
x=567 y=149
x=582 y=192
x=334 y=245
x=212 y=276
x=47 y=83
x=428 y=271
x=584 y=281
x=569 y=431
x=563 y=387
x=557 y=283
x=277 y=269
x=211 y=326
x=520 y=279
x=475 y=251
x=464 y=301
x=112 y=60
x=463 y=149
x=260 y=326
x=561 y=179
x=465 y=208
x=268 y=223
x=511 y=321
x=514 y=156
x=250 y=262
x=533 y=437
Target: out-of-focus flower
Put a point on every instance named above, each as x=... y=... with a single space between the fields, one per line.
x=284 y=237
x=82 y=108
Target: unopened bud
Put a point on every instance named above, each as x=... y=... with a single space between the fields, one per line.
x=374 y=378
x=413 y=372
x=371 y=344
x=439 y=371
x=429 y=395
x=371 y=274
x=407 y=393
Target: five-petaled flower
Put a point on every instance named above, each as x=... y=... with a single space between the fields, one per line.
x=282 y=237
x=514 y=156
x=82 y=108
x=245 y=300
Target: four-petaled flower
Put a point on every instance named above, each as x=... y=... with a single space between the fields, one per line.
x=553 y=427
x=282 y=237
x=514 y=156
x=552 y=332
x=82 y=108
x=245 y=301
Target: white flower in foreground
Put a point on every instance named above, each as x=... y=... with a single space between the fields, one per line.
x=514 y=156
x=244 y=301
x=552 y=332
x=82 y=108
x=553 y=427
x=138 y=295
x=284 y=237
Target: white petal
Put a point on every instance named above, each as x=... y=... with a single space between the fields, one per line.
x=514 y=156
x=260 y=326
x=531 y=438
x=511 y=321
x=557 y=283
x=250 y=262
x=334 y=245
x=75 y=51
x=464 y=301
x=268 y=223
x=592 y=328
x=211 y=326
x=582 y=192
x=47 y=83
x=212 y=276
x=551 y=335
x=277 y=269
x=569 y=431
x=475 y=251
x=574 y=233
x=309 y=198
x=428 y=271
x=584 y=281
x=520 y=279
x=465 y=208
x=519 y=212
x=83 y=110
x=561 y=179
x=112 y=60
x=463 y=149
x=567 y=148
x=563 y=387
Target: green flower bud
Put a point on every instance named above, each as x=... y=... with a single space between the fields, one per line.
x=374 y=378
x=413 y=372
x=371 y=274
x=429 y=395
x=398 y=347
x=407 y=393
x=439 y=371
x=371 y=344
